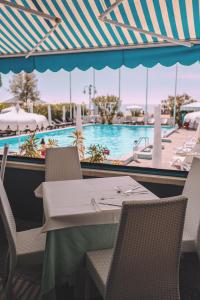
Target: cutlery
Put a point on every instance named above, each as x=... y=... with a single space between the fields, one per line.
x=133 y=189
x=95 y=205
x=118 y=189
x=135 y=193
x=110 y=204
x=105 y=198
x=126 y=193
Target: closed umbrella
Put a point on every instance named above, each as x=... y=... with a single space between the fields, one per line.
x=31 y=107
x=198 y=132
x=74 y=112
x=157 y=145
x=64 y=113
x=49 y=114
x=78 y=118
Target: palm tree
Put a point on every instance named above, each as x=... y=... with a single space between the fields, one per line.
x=167 y=105
x=79 y=143
x=107 y=106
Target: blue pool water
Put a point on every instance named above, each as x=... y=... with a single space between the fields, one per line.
x=119 y=139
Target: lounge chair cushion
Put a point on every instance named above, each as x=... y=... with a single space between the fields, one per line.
x=188 y=244
x=30 y=243
x=98 y=264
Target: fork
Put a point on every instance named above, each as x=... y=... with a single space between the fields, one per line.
x=95 y=205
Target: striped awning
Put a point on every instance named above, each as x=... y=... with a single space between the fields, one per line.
x=55 y=34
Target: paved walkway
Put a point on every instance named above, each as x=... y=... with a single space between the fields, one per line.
x=178 y=138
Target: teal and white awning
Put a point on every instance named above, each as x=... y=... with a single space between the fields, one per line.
x=55 y=34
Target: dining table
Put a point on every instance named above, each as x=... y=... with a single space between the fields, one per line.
x=81 y=215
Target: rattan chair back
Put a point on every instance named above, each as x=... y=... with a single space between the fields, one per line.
x=62 y=164
x=145 y=263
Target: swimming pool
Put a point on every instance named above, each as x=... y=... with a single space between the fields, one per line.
x=119 y=139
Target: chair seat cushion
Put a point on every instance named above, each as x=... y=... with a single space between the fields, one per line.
x=31 y=245
x=98 y=265
x=188 y=242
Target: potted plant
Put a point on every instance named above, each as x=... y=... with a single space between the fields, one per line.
x=97 y=153
x=30 y=147
x=79 y=143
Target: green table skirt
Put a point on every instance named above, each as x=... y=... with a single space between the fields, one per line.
x=65 y=253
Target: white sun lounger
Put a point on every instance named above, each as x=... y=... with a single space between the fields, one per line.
x=184 y=162
x=164 y=121
x=151 y=121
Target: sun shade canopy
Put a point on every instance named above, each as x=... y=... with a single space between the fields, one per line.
x=195 y=106
x=18 y=119
x=51 y=34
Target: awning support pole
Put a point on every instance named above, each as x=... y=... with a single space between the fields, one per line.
x=42 y=40
x=175 y=93
x=119 y=89
x=70 y=95
x=146 y=97
x=153 y=34
x=110 y=9
x=103 y=17
x=36 y=13
x=30 y=11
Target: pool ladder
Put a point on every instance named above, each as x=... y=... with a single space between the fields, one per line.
x=142 y=138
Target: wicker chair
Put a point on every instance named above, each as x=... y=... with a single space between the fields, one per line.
x=3 y=161
x=145 y=261
x=25 y=247
x=191 y=241
x=62 y=164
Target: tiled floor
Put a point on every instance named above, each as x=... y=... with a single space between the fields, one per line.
x=27 y=282
x=178 y=138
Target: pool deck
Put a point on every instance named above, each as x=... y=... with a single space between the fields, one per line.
x=177 y=140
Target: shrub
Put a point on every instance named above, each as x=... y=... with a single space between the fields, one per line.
x=97 y=153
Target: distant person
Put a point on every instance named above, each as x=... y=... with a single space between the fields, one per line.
x=186 y=125
x=42 y=141
x=43 y=148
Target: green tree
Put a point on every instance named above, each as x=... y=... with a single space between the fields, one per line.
x=24 y=87
x=108 y=107
x=136 y=113
x=167 y=105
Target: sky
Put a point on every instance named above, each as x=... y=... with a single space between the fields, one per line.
x=54 y=87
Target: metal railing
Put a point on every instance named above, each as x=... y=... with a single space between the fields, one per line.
x=139 y=141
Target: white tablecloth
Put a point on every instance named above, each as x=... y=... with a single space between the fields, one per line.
x=68 y=203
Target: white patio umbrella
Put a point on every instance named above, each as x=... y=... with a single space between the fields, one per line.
x=198 y=132
x=7 y=109
x=195 y=106
x=40 y=120
x=134 y=107
x=64 y=113
x=74 y=112
x=49 y=114
x=17 y=119
x=192 y=117
x=30 y=107
x=157 y=144
x=78 y=119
